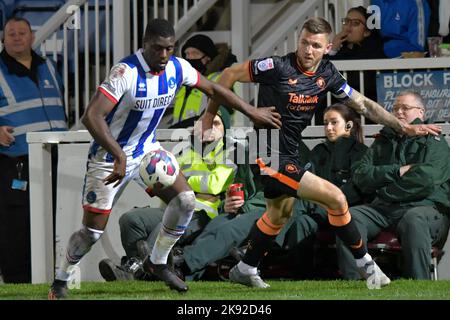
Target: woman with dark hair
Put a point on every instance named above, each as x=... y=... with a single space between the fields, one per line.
x=333 y=158
x=338 y=114
x=356 y=39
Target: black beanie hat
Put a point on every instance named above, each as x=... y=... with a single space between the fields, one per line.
x=202 y=43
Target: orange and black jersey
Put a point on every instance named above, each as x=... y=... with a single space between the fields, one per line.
x=295 y=93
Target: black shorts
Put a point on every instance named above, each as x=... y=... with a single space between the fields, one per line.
x=273 y=188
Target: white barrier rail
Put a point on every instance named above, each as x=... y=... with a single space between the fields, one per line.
x=72 y=152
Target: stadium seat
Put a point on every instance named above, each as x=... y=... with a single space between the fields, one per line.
x=387 y=242
x=278 y=264
x=102 y=30
x=383 y=248
x=37 y=12
x=2 y=16
x=6 y=10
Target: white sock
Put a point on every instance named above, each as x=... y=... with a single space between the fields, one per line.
x=247 y=269
x=176 y=217
x=65 y=270
x=80 y=243
x=162 y=247
x=362 y=261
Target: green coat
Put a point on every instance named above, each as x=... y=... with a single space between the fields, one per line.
x=333 y=162
x=426 y=183
x=253 y=188
x=228 y=230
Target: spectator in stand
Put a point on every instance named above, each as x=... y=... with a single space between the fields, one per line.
x=357 y=41
x=410 y=177
x=204 y=56
x=404 y=25
x=123 y=135
x=209 y=175
x=30 y=101
x=330 y=160
x=440 y=19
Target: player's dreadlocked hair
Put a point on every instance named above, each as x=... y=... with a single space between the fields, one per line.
x=159 y=28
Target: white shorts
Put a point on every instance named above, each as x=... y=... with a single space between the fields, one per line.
x=100 y=198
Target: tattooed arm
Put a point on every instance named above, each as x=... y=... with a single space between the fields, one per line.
x=378 y=114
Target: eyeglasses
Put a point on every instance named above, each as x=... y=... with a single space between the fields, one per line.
x=352 y=22
x=403 y=107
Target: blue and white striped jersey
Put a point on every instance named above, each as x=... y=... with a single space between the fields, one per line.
x=141 y=98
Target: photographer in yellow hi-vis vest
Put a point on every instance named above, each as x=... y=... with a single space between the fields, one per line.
x=209 y=171
x=209 y=60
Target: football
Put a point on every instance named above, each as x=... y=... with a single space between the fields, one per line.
x=159 y=166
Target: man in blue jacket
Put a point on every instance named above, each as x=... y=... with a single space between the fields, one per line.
x=404 y=25
x=30 y=101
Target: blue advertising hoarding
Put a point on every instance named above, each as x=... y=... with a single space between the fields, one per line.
x=433 y=86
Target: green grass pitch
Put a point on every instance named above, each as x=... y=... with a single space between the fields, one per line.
x=279 y=290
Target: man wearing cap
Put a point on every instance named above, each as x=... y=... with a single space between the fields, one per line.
x=201 y=52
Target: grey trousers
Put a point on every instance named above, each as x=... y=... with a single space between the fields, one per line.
x=227 y=231
x=145 y=223
x=417 y=228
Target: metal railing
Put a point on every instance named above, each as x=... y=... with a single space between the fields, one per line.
x=79 y=38
x=378 y=65
x=393 y=65
x=284 y=40
x=284 y=37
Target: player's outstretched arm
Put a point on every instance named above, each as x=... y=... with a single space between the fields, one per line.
x=229 y=76
x=221 y=94
x=94 y=120
x=378 y=114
